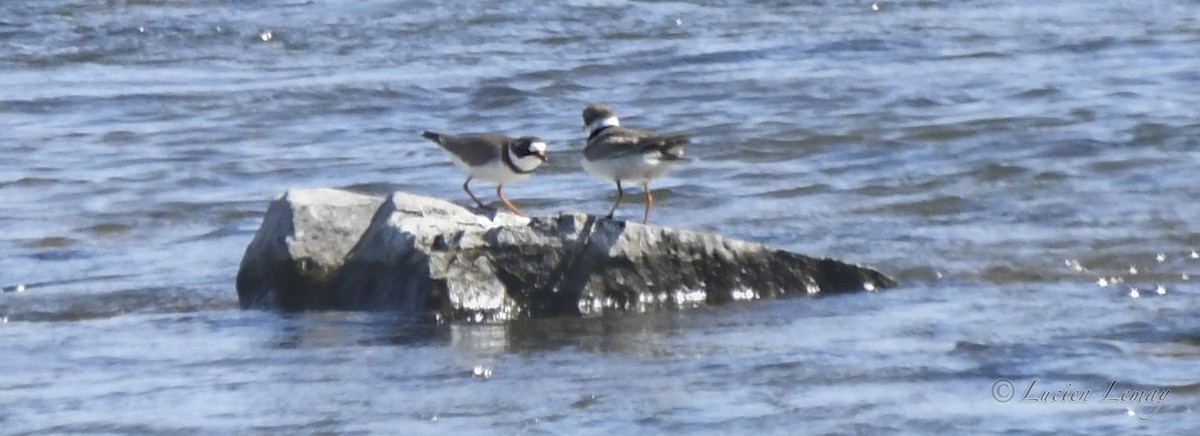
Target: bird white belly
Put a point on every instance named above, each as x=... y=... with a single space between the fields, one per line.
x=494 y=171
x=639 y=169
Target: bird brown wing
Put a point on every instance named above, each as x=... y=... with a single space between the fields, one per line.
x=615 y=142
x=473 y=149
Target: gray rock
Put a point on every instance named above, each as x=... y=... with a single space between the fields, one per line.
x=390 y=268
x=428 y=255
x=304 y=238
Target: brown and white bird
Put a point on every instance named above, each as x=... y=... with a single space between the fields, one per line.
x=493 y=157
x=620 y=154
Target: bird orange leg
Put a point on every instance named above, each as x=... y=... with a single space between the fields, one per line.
x=620 y=195
x=500 y=193
x=649 y=202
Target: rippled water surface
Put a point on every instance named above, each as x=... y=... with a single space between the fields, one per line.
x=1027 y=170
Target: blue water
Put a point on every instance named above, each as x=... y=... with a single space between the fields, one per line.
x=1026 y=170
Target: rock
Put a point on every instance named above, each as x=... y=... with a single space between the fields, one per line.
x=428 y=255
x=390 y=268
x=304 y=238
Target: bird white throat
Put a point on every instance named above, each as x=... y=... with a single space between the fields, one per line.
x=602 y=123
x=527 y=163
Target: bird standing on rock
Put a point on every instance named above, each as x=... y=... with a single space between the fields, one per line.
x=493 y=157
x=621 y=154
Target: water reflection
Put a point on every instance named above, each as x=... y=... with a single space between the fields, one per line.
x=632 y=334
x=340 y=329
x=644 y=334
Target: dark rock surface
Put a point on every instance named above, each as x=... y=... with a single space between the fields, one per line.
x=326 y=249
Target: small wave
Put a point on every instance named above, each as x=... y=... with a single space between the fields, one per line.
x=985 y=54
x=1089 y=45
x=30 y=306
x=1038 y=93
x=497 y=96
x=51 y=242
x=31 y=182
x=109 y=230
x=944 y=205
x=995 y=172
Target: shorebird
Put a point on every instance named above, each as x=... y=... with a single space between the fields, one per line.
x=620 y=154
x=493 y=157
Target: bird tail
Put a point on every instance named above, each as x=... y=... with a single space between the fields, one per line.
x=432 y=136
x=672 y=147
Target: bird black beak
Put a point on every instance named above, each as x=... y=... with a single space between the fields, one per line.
x=541 y=156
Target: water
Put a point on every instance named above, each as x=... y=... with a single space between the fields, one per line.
x=1012 y=163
